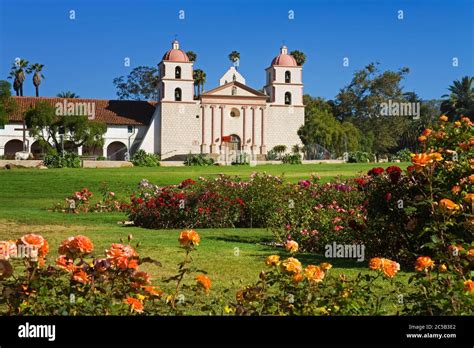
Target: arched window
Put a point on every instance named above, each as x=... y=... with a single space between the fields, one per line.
x=177 y=72
x=177 y=94
x=287 y=77
x=287 y=98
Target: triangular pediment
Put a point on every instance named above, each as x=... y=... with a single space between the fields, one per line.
x=235 y=89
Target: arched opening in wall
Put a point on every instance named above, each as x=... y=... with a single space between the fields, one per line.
x=177 y=72
x=287 y=76
x=234 y=112
x=116 y=151
x=93 y=151
x=11 y=147
x=39 y=150
x=234 y=144
x=177 y=94
x=69 y=146
x=287 y=98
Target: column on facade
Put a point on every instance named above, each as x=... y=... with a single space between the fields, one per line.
x=222 y=126
x=263 y=149
x=213 y=135
x=254 y=144
x=203 y=129
x=244 y=127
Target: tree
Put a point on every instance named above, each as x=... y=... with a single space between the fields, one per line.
x=37 y=75
x=360 y=103
x=461 y=99
x=191 y=55
x=321 y=128
x=45 y=126
x=17 y=72
x=140 y=84
x=234 y=57
x=199 y=77
x=7 y=104
x=68 y=95
x=299 y=56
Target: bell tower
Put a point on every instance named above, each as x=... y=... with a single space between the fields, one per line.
x=176 y=76
x=284 y=82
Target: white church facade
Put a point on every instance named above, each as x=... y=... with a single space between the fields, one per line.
x=231 y=117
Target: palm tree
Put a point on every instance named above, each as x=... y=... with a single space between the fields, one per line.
x=16 y=82
x=68 y=95
x=199 y=77
x=461 y=99
x=299 y=56
x=234 y=57
x=36 y=69
x=17 y=71
x=192 y=56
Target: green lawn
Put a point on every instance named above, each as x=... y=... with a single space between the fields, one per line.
x=27 y=194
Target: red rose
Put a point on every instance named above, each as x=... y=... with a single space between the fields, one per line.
x=376 y=171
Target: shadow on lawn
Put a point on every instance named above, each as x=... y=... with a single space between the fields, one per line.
x=242 y=239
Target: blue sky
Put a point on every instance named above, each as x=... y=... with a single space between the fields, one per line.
x=84 y=55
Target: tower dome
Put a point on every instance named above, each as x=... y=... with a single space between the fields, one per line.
x=175 y=54
x=284 y=59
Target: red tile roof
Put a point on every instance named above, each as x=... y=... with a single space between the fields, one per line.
x=113 y=112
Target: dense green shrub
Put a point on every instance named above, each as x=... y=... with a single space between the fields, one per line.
x=292 y=158
x=271 y=155
x=67 y=160
x=198 y=160
x=360 y=157
x=143 y=159
x=403 y=155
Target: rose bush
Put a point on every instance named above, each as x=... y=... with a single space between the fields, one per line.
x=81 y=284
x=429 y=206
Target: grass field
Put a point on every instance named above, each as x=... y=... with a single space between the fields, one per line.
x=231 y=256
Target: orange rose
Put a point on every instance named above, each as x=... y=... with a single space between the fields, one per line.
x=423 y=263
x=457 y=124
x=470 y=253
x=36 y=242
x=297 y=278
x=455 y=249
x=153 y=290
x=388 y=267
x=189 y=238
x=427 y=132
x=119 y=255
x=80 y=276
x=273 y=260
x=292 y=265
x=471 y=178
x=142 y=278
x=291 y=246
x=375 y=263
x=204 y=281
x=455 y=189
x=65 y=263
x=421 y=138
x=436 y=156
x=314 y=274
x=443 y=118
x=325 y=266
x=469 y=198
x=469 y=285
x=77 y=246
x=421 y=160
x=442 y=268
x=135 y=304
x=448 y=205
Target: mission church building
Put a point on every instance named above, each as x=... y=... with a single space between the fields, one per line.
x=232 y=117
